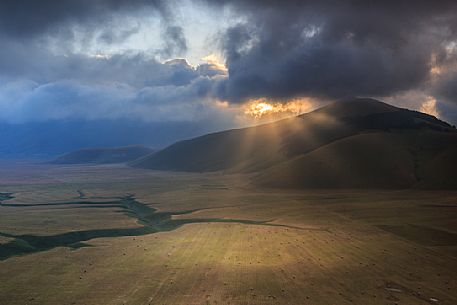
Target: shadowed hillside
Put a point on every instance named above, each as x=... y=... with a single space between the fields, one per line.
x=104 y=155
x=353 y=143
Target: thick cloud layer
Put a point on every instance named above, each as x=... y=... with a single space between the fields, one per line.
x=334 y=48
x=326 y=49
x=104 y=22
x=136 y=69
x=97 y=88
x=26 y=18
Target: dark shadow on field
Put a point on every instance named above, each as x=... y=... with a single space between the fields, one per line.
x=151 y=220
x=82 y=204
x=422 y=235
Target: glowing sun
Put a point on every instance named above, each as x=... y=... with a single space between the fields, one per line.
x=261 y=107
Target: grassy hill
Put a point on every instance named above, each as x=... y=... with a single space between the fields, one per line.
x=377 y=160
x=104 y=155
x=360 y=143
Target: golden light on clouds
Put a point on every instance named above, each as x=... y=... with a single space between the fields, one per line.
x=259 y=109
x=439 y=69
x=435 y=68
x=216 y=61
x=262 y=107
x=429 y=107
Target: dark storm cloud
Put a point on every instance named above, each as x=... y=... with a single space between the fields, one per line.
x=320 y=69
x=333 y=48
x=26 y=18
x=283 y=48
x=447 y=88
x=278 y=49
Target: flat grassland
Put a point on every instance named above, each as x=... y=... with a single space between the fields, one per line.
x=114 y=235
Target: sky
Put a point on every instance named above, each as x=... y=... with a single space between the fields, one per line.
x=218 y=64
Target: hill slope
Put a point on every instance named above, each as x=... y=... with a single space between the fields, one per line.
x=104 y=155
x=353 y=143
x=375 y=160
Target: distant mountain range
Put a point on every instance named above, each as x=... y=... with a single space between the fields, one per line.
x=48 y=139
x=357 y=143
x=104 y=155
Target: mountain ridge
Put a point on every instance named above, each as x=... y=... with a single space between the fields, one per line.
x=356 y=131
